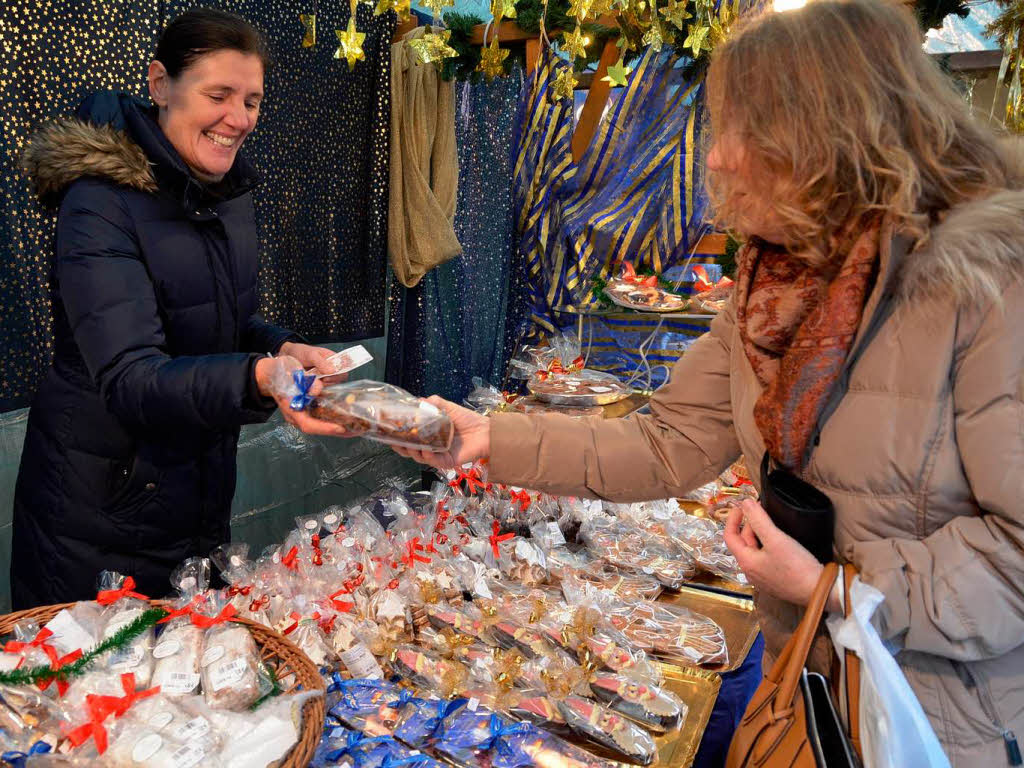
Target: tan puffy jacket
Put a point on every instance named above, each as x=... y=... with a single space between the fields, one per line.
x=923 y=459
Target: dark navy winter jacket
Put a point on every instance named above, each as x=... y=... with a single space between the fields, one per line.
x=129 y=460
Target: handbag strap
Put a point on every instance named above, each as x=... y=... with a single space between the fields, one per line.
x=851 y=665
x=791 y=662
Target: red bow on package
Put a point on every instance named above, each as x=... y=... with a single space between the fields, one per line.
x=109 y=596
x=703 y=283
x=326 y=625
x=338 y=604
x=234 y=590
x=496 y=539
x=102 y=707
x=412 y=552
x=555 y=368
x=472 y=478
x=227 y=613
x=291 y=560
x=15 y=646
x=184 y=610
x=522 y=498
x=296 y=617
x=56 y=665
x=629 y=275
x=318 y=555
x=259 y=603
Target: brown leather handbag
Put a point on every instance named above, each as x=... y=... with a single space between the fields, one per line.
x=791 y=722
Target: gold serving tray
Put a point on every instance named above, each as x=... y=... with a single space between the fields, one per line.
x=711 y=582
x=698 y=689
x=734 y=614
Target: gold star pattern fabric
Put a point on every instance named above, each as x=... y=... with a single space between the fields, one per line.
x=350 y=44
x=492 y=59
x=433 y=47
x=308 y=29
x=321 y=212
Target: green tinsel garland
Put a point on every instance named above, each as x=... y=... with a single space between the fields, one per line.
x=119 y=639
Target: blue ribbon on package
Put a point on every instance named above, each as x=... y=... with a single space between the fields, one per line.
x=355 y=744
x=17 y=759
x=348 y=689
x=500 y=731
x=393 y=761
x=303 y=383
x=405 y=697
x=434 y=725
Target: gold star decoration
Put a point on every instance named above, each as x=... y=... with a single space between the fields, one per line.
x=350 y=44
x=618 y=73
x=433 y=46
x=436 y=6
x=308 y=29
x=492 y=59
x=652 y=36
x=695 y=38
x=575 y=43
x=401 y=7
x=503 y=9
x=675 y=13
x=564 y=85
x=580 y=9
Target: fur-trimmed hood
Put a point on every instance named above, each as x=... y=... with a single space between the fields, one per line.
x=68 y=149
x=971 y=255
x=114 y=136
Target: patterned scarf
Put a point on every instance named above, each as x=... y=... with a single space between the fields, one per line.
x=797 y=323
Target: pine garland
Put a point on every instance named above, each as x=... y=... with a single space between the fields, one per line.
x=118 y=640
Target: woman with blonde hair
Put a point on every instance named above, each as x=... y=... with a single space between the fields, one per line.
x=883 y=261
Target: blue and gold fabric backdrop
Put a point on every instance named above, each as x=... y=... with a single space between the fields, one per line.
x=321 y=145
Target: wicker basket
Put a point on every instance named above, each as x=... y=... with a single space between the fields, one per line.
x=293 y=669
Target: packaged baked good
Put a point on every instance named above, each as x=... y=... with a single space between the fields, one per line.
x=642 y=293
x=423 y=723
x=230 y=664
x=486 y=399
x=671 y=632
x=122 y=606
x=616 y=581
x=28 y=716
x=371 y=409
x=632 y=549
x=557 y=374
x=626 y=740
x=704 y=541
x=655 y=708
x=179 y=647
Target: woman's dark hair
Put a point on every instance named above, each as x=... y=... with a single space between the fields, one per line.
x=204 y=30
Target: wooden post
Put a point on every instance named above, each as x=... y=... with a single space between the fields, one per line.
x=532 y=54
x=597 y=98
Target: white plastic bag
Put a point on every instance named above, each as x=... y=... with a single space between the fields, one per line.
x=894 y=729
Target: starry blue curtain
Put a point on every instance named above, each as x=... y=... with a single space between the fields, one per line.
x=464 y=318
x=321 y=146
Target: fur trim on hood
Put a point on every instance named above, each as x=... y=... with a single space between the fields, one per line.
x=66 y=150
x=971 y=255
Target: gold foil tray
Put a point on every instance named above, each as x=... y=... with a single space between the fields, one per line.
x=698 y=688
x=734 y=614
x=713 y=583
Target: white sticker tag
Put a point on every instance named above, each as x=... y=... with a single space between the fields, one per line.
x=187 y=756
x=212 y=654
x=360 y=663
x=193 y=729
x=160 y=720
x=330 y=518
x=166 y=648
x=348 y=542
x=349 y=359
x=146 y=747
x=179 y=683
x=228 y=674
x=312 y=525
x=473 y=704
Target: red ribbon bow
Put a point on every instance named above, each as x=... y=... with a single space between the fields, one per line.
x=109 y=596
x=290 y=561
x=703 y=283
x=183 y=611
x=227 y=613
x=259 y=603
x=472 y=479
x=318 y=555
x=102 y=707
x=412 y=550
x=629 y=275
x=522 y=498
x=442 y=511
x=341 y=605
x=496 y=539
x=243 y=591
x=16 y=646
x=296 y=617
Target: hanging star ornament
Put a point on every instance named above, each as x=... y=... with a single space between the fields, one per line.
x=350 y=44
x=618 y=73
x=401 y=7
x=696 y=37
x=433 y=47
x=675 y=13
x=580 y=9
x=503 y=9
x=575 y=43
x=652 y=37
x=564 y=85
x=308 y=29
x=492 y=60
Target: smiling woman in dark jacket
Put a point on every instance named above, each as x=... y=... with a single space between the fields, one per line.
x=160 y=356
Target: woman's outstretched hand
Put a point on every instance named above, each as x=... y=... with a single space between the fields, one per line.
x=472 y=440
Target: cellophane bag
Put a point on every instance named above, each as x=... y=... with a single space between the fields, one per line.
x=179 y=648
x=230 y=666
x=137 y=656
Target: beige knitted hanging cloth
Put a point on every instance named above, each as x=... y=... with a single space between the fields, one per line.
x=424 y=166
